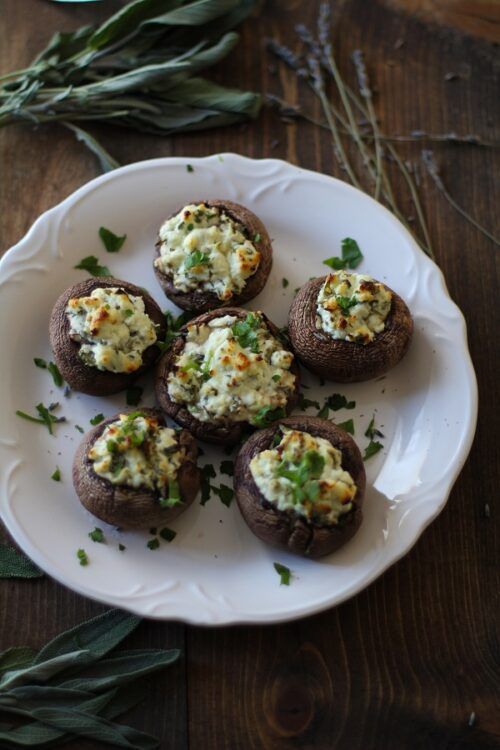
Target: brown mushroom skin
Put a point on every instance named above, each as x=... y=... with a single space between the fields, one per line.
x=347 y=361
x=292 y=531
x=223 y=432
x=127 y=507
x=82 y=377
x=200 y=300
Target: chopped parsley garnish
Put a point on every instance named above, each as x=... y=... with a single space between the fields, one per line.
x=348 y=426
x=345 y=303
x=224 y=493
x=227 y=467
x=45 y=416
x=196 y=258
x=80 y=429
x=153 y=543
x=335 y=402
x=302 y=474
x=91 y=264
x=371 y=432
x=189 y=168
x=121 y=547
x=97 y=535
x=306 y=403
x=82 y=557
x=276 y=377
x=111 y=241
x=191 y=364
x=97 y=419
x=245 y=332
x=373 y=447
x=351 y=256
x=277 y=438
x=284 y=283
x=39 y=362
x=56 y=375
x=284 y=573
x=266 y=415
x=257 y=238
x=173 y=327
x=168 y=534
x=174 y=495
x=207 y=473
x=56 y=476
x=133 y=395
x=128 y=312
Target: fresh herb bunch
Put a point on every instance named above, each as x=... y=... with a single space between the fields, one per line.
x=138 y=70
x=76 y=685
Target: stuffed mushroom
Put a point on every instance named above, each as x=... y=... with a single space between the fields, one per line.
x=349 y=327
x=300 y=485
x=134 y=472
x=104 y=333
x=226 y=372
x=212 y=253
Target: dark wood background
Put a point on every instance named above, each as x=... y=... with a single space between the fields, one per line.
x=405 y=663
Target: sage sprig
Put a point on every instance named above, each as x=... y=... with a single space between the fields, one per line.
x=15 y=565
x=77 y=685
x=139 y=69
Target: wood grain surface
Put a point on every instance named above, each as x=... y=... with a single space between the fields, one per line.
x=403 y=664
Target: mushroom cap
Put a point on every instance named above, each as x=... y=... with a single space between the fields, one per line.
x=127 y=507
x=290 y=530
x=201 y=300
x=222 y=432
x=347 y=361
x=76 y=373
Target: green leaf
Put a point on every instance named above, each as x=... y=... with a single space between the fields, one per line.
x=16 y=658
x=106 y=161
x=371 y=449
x=134 y=395
x=153 y=544
x=351 y=253
x=189 y=168
x=39 y=362
x=284 y=574
x=371 y=431
x=225 y=494
x=168 y=534
x=15 y=565
x=227 y=467
x=56 y=375
x=44 y=416
x=335 y=262
x=112 y=242
x=246 y=332
x=41 y=671
x=97 y=419
x=82 y=557
x=345 y=303
x=196 y=258
x=284 y=283
x=335 y=402
x=266 y=415
x=56 y=476
x=306 y=403
x=91 y=264
x=348 y=426
x=97 y=535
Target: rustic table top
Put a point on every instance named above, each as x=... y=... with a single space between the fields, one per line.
x=406 y=662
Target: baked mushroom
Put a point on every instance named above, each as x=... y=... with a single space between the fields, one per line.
x=134 y=472
x=104 y=333
x=227 y=371
x=300 y=485
x=349 y=327
x=212 y=253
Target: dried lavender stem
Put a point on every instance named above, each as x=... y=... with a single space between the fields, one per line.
x=366 y=93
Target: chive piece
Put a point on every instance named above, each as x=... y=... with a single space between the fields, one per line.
x=82 y=557
x=371 y=449
x=91 y=264
x=168 y=534
x=97 y=419
x=174 y=495
x=133 y=395
x=111 y=241
x=44 y=416
x=56 y=375
x=121 y=547
x=348 y=426
x=80 y=429
x=284 y=574
x=29 y=417
x=153 y=543
x=284 y=283
x=189 y=168
x=39 y=362
x=56 y=476
x=97 y=535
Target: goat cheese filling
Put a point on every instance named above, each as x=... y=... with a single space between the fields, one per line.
x=204 y=248
x=112 y=328
x=137 y=452
x=233 y=370
x=353 y=307
x=303 y=474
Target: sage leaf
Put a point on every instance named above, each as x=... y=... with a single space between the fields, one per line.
x=15 y=565
x=43 y=671
x=16 y=657
x=106 y=161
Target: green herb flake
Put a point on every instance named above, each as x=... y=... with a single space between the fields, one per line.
x=196 y=258
x=133 y=395
x=335 y=402
x=284 y=573
x=153 y=543
x=276 y=377
x=257 y=238
x=207 y=473
x=80 y=429
x=351 y=256
x=56 y=476
x=345 y=303
x=348 y=426
x=227 y=467
x=284 y=283
x=225 y=494
x=168 y=534
x=39 y=362
x=266 y=415
x=97 y=535
x=189 y=168
x=306 y=403
x=97 y=419
x=371 y=431
x=371 y=449
x=44 y=416
x=128 y=312
x=92 y=266
x=245 y=332
x=122 y=547
x=174 y=495
x=111 y=241
x=82 y=557
x=56 y=375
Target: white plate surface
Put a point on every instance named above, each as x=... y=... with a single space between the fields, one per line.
x=215 y=571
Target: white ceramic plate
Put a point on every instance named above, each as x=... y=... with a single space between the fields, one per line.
x=215 y=571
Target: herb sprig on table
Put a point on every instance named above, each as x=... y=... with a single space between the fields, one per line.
x=77 y=684
x=139 y=69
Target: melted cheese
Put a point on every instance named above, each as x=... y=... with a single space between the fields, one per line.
x=231 y=370
x=113 y=329
x=135 y=451
x=203 y=248
x=322 y=497
x=353 y=307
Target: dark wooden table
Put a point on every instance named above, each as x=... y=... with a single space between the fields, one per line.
x=405 y=663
